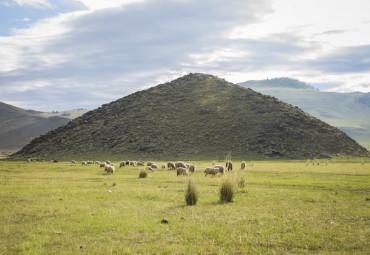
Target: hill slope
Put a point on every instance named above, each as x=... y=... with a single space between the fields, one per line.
x=195 y=116
x=18 y=126
x=350 y=112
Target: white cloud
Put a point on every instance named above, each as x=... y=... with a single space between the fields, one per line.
x=35 y=3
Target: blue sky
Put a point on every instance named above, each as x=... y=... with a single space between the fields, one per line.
x=66 y=54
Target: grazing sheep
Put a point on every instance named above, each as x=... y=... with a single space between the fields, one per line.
x=211 y=170
x=182 y=171
x=163 y=166
x=140 y=163
x=102 y=164
x=109 y=169
x=191 y=169
x=107 y=162
x=97 y=162
x=171 y=166
x=73 y=161
x=84 y=163
x=149 y=168
x=28 y=160
x=149 y=163
x=132 y=163
x=229 y=165
x=221 y=169
x=187 y=165
x=242 y=165
x=122 y=164
x=154 y=166
x=180 y=164
x=89 y=162
x=53 y=161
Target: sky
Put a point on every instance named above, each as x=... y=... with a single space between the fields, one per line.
x=69 y=54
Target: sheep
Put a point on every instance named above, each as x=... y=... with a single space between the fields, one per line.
x=154 y=166
x=182 y=171
x=149 y=168
x=191 y=169
x=84 y=163
x=109 y=169
x=221 y=169
x=171 y=166
x=97 y=162
x=163 y=166
x=107 y=162
x=132 y=163
x=211 y=170
x=122 y=163
x=53 y=161
x=187 y=165
x=242 y=165
x=28 y=160
x=73 y=162
x=102 y=164
x=149 y=163
x=140 y=163
x=229 y=165
x=89 y=162
x=180 y=164
x=127 y=163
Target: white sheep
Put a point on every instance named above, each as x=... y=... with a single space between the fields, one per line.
x=97 y=162
x=140 y=163
x=150 y=163
x=221 y=169
x=182 y=171
x=163 y=166
x=132 y=163
x=107 y=162
x=149 y=168
x=180 y=164
x=171 y=165
x=122 y=164
x=102 y=164
x=109 y=169
x=154 y=166
x=191 y=169
x=84 y=163
x=211 y=170
x=73 y=162
x=242 y=165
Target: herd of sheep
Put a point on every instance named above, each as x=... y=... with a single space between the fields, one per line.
x=181 y=167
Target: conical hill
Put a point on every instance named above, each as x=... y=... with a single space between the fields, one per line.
x=196 y=116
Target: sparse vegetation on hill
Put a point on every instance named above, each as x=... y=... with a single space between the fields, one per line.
x=347 y=111
x=18 y=126
x=196 y=116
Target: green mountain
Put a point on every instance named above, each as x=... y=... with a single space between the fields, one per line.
x=197 y=116
x=18 y=127
x=350 y=112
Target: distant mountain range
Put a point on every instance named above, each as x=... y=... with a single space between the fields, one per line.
x=196 y=116
x=18 y=126
x=350 y=112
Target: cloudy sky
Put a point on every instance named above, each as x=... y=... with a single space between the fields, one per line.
x=67 y=54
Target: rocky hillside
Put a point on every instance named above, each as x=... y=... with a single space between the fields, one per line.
x=18 y=126
x=195 y=116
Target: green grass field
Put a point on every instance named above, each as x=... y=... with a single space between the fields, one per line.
x=284 y=207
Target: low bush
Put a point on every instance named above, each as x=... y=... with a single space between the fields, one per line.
x=227 y=189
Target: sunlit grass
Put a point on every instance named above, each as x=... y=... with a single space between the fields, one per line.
x=289 y=208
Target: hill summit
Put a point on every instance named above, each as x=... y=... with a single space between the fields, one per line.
x=196 y=116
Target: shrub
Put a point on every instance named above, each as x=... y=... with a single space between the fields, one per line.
x=227 y=188
x=143 y=173
x=191 y=193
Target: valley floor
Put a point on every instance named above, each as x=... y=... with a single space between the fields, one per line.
x=284 y=207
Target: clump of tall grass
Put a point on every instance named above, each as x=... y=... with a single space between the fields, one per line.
x=191 y=193
x=227 y=189
x=143 y=173
x=241 y=180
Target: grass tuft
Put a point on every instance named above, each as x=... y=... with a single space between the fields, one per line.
x=241 y=180
x=227 y=189
x=143 y=173
x=191 y=193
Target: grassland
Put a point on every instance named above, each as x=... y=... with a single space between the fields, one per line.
x=284 y=207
